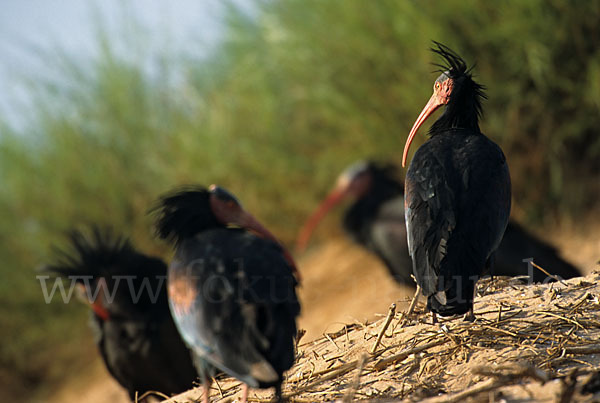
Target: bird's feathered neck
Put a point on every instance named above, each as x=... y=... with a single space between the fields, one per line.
x=184 y=213
x=386 y=182
x=102 y=254
x=385 y=185
x=464 y=108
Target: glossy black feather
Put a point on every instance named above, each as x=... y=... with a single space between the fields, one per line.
x=139 y=342
x=183 y=213
x=246 y=299
x=232 y=293
x=518 y=244
x=457 y=194
x=457 y=197
x=376 y=221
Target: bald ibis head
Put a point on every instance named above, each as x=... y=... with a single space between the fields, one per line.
x=455 y=89
x=194 y=209
x=354 y=182
x=229 y=211
x=375 y=217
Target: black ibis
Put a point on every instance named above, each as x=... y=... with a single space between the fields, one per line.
x=457 y=193
x=232 y=290
x=131 y=321
x=375 y=220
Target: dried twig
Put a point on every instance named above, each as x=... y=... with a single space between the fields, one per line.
x=500 y=377
x=149 y=393
x=546 y=273
x=481 y=387
x=218 y=387
x=379 y=365
x=591 y=349
x=388 y=320
x=341 y=370
x=356 y=383
x=413 y=303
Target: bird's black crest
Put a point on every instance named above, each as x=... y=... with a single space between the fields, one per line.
x=97 y=254
x=183 y=213
x=468 y=93
x=455 y=64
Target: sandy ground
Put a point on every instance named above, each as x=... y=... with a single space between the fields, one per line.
x=341 y=284
x=535 y=343
x=336 y=274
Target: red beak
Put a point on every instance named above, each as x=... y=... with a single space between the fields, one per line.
x=432 y=105
x=227 y=210
x=335 y=197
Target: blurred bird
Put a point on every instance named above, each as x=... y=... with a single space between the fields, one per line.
x=375 y=220
x=232 y=291
x=131 y=322
x=457 y=193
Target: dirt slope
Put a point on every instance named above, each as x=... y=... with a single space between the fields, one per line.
x=344 y=284
x=341 y=284
x=525 y=346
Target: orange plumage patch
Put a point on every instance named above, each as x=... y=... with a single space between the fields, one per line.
x=182 y=294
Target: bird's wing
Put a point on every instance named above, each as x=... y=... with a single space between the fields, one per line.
x=227 y=314
x=429 y=209
x=388 y=234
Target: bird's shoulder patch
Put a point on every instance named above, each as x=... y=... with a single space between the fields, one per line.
x=182 y=293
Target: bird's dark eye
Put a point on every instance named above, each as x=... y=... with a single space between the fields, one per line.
x=437 y=85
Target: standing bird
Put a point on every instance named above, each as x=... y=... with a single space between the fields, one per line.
x=131 y=322
x=375 y=220
x=232 y=291
x=457 y=193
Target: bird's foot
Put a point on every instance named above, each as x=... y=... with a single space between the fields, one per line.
x=434 y=319
x=469 y=316
x=206 y=390
x=244 y=393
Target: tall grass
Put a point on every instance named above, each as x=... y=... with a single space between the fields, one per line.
x=295 y=92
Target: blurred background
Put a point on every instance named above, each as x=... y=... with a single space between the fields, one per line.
x=106 y=104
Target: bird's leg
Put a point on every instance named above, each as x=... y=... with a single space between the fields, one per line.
x=278 y=394
x=206 y=389
x=434 y=320
x=244 y=393
x=469 y=316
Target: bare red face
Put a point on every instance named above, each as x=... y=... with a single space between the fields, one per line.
x=226 y=207
x=442 y=90
x=354 y=182
x=228 y=210
x=97 y=304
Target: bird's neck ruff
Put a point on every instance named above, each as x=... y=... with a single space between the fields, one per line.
x=386 y=181
x=184 y=213
x=98 y=255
